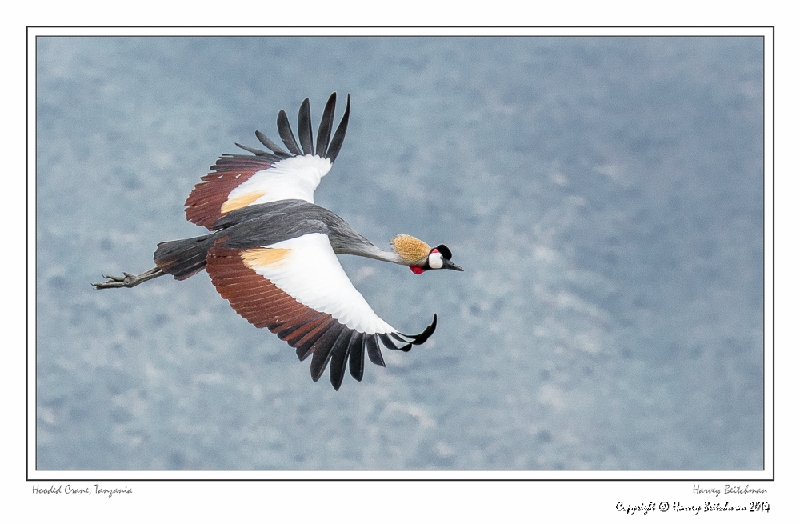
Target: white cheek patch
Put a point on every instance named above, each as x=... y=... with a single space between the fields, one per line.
x=435 y=261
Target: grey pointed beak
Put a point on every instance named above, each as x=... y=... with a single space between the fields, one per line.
x=446 y=264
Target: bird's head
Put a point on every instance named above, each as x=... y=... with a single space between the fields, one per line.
x=421 y=257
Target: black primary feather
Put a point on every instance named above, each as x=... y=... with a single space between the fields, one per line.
x=278 y=150
x=304 y=128
x=338 y=136
x=325 y=126
x=339 y=354
x=374 y=351
x=357 y=359
x=285 y=130
x=257 y=152
x=322 y=350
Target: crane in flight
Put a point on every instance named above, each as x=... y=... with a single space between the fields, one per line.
x=272 y=252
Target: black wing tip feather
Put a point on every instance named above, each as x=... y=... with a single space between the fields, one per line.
x=326 y=147
x=286 y=134
x=278 y=150
x=351 y=346
x=425 y=335
x=340 y=354
x=338 y=136
x=357 y=358
x=304 y=128
x=257 y=152
x=325 y=126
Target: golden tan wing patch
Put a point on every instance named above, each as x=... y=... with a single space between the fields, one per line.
x=264 y=256
x=240 y=201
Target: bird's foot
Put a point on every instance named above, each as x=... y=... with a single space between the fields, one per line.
x=128 y=280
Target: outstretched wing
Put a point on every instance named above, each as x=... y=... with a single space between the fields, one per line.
x=298 y=290
x=241 y=180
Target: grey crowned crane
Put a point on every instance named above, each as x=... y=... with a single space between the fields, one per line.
x=272 y=252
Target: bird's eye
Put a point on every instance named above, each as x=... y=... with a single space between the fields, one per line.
x=435 y=260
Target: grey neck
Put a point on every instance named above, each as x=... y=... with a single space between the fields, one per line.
x=370 y=250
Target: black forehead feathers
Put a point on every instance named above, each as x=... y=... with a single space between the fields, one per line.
x=445 y=251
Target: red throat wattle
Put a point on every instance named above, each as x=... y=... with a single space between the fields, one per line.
x=417 y=270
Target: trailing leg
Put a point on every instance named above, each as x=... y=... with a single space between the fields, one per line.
x=128 y=280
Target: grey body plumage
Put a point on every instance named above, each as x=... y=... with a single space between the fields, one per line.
x=264 y=225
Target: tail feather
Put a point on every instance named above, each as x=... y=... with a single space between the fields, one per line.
x=183 y=258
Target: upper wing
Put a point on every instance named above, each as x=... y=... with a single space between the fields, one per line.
x=240 y=180
x=298 y=290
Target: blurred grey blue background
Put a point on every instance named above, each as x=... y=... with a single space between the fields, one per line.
x=604 y=195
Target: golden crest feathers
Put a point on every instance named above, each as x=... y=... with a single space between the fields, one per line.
x=412 y=251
